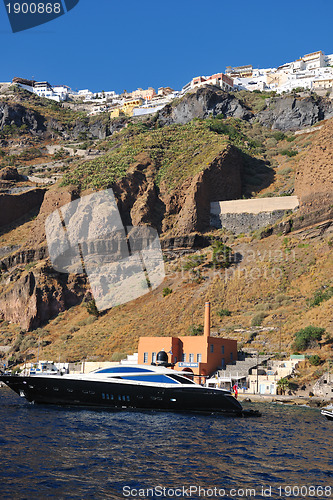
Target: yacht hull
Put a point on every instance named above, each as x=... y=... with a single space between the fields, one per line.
x=117 y=395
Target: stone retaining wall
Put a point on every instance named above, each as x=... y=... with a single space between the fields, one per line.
x=243 y=216
x=244 y=223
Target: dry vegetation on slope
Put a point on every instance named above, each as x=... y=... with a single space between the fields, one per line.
x=271 y=288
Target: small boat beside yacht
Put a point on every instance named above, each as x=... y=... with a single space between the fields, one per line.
x=327 y=411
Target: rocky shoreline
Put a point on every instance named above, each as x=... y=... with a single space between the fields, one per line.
x=312 y=402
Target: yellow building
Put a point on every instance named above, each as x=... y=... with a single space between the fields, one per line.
x=128 y=106
x=126 y=109
x=115 y=113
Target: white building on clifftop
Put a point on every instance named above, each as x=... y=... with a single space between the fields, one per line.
x=311 y=71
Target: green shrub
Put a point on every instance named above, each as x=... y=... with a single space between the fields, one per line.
x=224 y=312
x=87 y=321
x=74 y=329
x=291 y=138
x=315 y=360
x=288 y=152
x=285 y=171
x=66 y=336
x=92 y=308
x=196 y=330
x=221 y=254
x=166 y=291
x=258 y=319
x=307 y=336
x=194 y=261
x=279 y=136
x=325 y=293
x=263 y=307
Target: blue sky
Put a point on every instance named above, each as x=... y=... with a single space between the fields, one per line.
x=110 y=45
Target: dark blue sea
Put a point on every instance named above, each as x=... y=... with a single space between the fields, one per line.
x=67 y=453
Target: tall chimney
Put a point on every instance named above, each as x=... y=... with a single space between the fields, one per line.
x=207 y=320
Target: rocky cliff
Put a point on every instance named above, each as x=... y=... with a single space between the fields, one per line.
x=31 y=298
x=186 y=209
x=294 y=113
x=282 y=113
x=204 y=102
x=18 y=115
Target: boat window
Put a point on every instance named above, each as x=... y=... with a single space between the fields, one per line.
x=182 y=380
x=122 y=369
x=156 y=378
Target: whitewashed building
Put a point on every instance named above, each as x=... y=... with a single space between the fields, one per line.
x=309 y=72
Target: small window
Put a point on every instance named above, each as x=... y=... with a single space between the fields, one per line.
x=211 y=347
x=103 y=395
x=153 y=357
x=231 y=356
x=191 y=358
x=107 y=396
x=222 y=349
x=184 y=357
x=145 y=357
x=199 y=357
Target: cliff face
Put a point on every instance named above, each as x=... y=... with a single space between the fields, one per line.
x=281 y=113
x=314 y=177
x=185 y=209
x=221 y=180
x=36 y=296
x=12 y=207
x=204 y=102
x=291 y=113
x=19 y=115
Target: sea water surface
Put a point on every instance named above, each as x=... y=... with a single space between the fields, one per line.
x=53 y=452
